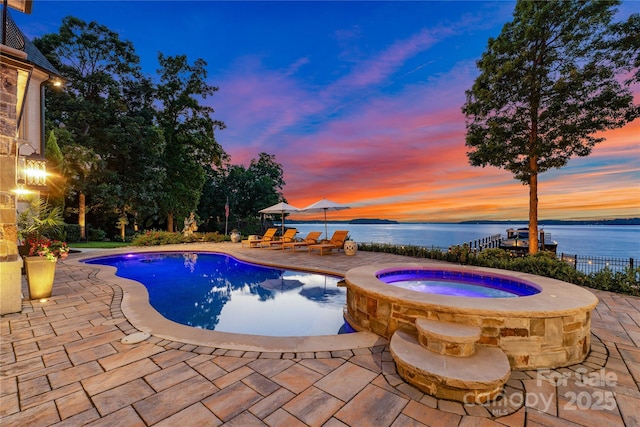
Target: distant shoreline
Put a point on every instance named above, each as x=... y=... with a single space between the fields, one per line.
x=620 y=221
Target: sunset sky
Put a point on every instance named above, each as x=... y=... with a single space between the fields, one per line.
x=360 y=102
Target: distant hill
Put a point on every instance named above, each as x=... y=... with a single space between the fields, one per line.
x=619 y=221
x=372 y=221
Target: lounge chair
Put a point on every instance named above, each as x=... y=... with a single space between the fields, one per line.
x=311 y=239
x=288 y=236
x=268 y=236
x=336 y=242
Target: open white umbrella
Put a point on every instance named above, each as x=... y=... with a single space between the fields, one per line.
x=324 y=205
x=280 y=208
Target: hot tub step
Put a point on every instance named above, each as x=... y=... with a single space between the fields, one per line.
x=474 y=379
x=450 y=339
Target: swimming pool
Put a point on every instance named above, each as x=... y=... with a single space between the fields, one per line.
x=218 y=292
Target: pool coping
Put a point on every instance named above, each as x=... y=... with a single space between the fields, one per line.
x=138 y=311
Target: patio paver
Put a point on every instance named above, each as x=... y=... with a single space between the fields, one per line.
x=63 y=361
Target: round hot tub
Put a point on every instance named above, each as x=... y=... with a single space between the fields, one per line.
x=542 y=323
x=457 y=283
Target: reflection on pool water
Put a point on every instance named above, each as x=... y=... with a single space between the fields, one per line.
x=218 y=292
x=454 y=283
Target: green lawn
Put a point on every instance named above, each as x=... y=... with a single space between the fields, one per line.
x=98 y=245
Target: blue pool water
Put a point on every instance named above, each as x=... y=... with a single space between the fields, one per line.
x=454 y=283
x=221 y=293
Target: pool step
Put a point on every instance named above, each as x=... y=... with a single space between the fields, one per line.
x=477 y=378
x=446 y=338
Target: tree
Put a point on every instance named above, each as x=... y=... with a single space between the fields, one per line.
x=546 y=86
x=56 y=181
x=79 y=165
x=267 y=181
x=107 y=110
x=247 y=189
x=131 y=175
x=211 y=209
x=94 y=61
x=189 y=132
x=625 y=45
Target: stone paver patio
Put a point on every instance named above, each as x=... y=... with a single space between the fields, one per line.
x=62 y=362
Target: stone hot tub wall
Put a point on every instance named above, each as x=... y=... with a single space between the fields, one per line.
x=547 y=330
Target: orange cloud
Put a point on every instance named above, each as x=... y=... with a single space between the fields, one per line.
x=587 y=189
x=401 y=154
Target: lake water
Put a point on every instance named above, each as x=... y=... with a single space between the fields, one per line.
x=586 y=240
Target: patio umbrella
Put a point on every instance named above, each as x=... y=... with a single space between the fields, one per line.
x=324 y=205
x=280 y=208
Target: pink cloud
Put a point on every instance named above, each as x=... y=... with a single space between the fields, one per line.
x=380 y=67
x=402 y=155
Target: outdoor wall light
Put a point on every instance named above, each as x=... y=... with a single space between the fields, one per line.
x=32 y=171
x=20 y=191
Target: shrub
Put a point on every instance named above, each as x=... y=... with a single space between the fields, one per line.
x=250 y=226
x=461 y=254
x=625 y=282
x=73 y=232
x=211 y=237
x=155 y=238
x=543 y=263
x=40 y=219
x=408 y=250
x=495 y=254
x=96 y=234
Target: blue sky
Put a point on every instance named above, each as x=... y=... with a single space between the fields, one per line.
x=360 y=102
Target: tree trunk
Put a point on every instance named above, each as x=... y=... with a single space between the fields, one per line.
x=170 y=222
x=533 y=206
x=81 y=216
x=533 y=171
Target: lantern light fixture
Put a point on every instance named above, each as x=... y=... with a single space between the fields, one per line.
x=31 y=170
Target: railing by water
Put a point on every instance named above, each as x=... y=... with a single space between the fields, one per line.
x=585 y=264
x=593 y=264
x=486 y=242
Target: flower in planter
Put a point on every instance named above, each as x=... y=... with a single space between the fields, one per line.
x=50 y=249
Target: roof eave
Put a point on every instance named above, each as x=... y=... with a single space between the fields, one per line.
x=23 y=6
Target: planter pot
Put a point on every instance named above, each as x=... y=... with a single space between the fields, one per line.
x=350 y=247
x=235 y=237
x=40 y=275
